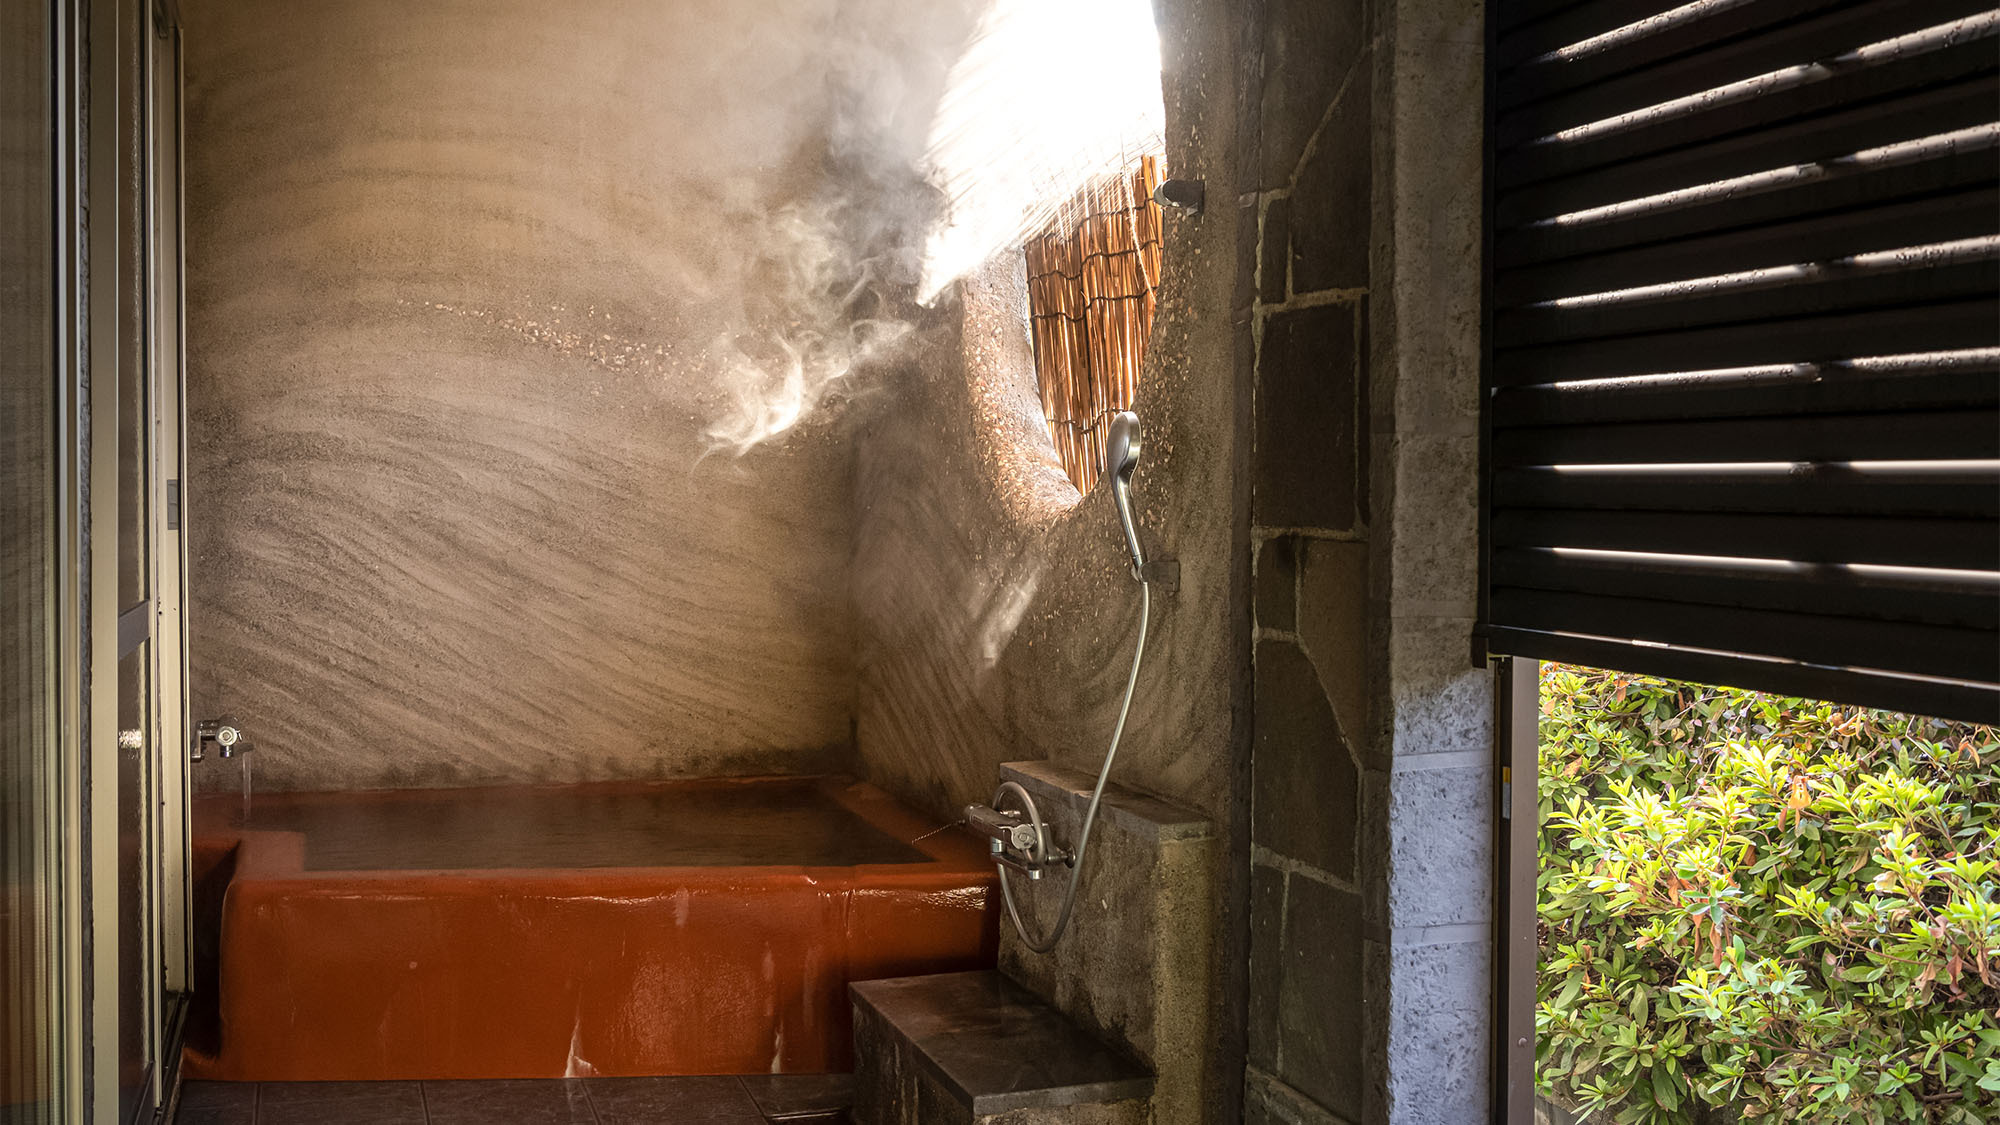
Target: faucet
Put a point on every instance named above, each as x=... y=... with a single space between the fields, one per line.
x=225 y=733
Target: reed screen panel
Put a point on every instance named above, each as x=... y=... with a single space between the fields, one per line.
x=1093 y=273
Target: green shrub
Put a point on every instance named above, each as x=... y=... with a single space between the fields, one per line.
x=1782 y=907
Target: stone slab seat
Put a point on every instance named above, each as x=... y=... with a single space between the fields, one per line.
x=977 y=1047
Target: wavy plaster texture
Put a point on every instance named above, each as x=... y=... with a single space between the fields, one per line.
x=994 y=609
x=996 y=621
x=453 y=274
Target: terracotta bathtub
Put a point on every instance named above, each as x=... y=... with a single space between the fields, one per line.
x=703 y=927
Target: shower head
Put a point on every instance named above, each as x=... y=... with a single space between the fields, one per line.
x=1121 y=456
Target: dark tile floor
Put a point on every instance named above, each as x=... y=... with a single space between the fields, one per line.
x=803 y=1099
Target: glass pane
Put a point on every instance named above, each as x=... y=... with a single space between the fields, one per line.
x=134 y=401
x=134 y=877
x=27 y=491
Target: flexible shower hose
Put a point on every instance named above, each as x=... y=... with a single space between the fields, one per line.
x=1048 y=942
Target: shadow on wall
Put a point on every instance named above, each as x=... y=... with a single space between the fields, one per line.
x=456 y=276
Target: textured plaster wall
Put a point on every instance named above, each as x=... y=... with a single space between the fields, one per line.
x=453 y=271
x=996 y=611
x=996 y=620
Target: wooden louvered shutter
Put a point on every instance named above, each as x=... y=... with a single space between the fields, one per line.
x=1743 y=380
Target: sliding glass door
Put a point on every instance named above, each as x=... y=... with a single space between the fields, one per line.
x=93 y=837
x=138 y=326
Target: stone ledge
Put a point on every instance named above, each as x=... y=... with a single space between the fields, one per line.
x=1148 y=818
x=986 y=1044
x=1269 y=1101
x=1138 y=965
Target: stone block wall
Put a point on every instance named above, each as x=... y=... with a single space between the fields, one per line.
x=1303 y=309
x=1429 y=856
x=1136 y=966
x=1370 y=826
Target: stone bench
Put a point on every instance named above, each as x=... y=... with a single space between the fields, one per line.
x=954 y=1048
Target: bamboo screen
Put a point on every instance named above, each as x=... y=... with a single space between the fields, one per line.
x=1092 y=275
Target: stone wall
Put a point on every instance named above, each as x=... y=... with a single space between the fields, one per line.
x=1372 y=757
x=1305 y=316
x=1432 y=775
x=1135 y=968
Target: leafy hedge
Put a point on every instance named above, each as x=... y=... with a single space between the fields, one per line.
x=1782 y=907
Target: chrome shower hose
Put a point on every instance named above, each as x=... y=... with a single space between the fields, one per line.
x=1048 y=941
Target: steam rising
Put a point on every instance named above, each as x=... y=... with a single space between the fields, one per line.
x=950 y=130
x=804 y=327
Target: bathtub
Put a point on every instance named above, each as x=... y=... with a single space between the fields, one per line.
x=705 y=927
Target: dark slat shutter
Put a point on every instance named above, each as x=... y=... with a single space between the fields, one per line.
x=1743 y=373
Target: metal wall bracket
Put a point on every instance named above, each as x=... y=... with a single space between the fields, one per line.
x=1181 y=195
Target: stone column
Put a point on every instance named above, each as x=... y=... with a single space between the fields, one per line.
x=1430 y=793
x=1372 y=751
